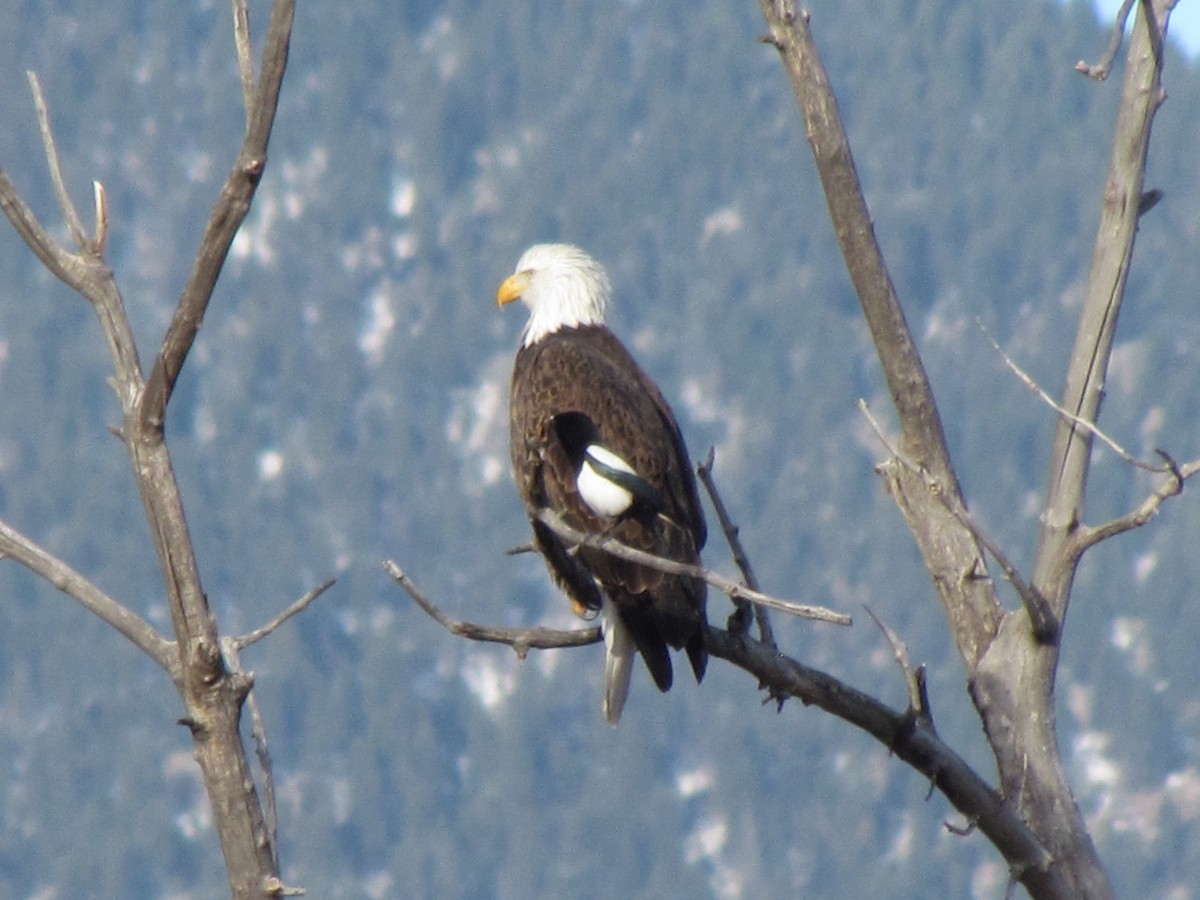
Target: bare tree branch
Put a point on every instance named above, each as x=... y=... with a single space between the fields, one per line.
x=735 y=591
x=1085 y=538
x=1011 y=676
x=212 y=695
x=1014 y=686
x=1100 y=70
x=298 y=607
x=69 y=213
x=908 y=736
x=1087 y=370
x=16 y=546
x=914 y=676
x=63 y=265
x=913 y=742
x=522 y=640
x=1066 y=414
x=227 y=216
x=1040 y=615
x=947 y=548
x=740 y=557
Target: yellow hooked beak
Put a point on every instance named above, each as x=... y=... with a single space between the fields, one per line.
x=511 y=288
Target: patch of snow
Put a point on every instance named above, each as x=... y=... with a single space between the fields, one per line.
x=487 y=680
x=698 y=780
x=725 y=221
x=1144 y=565
x=478 y=426
x=270 y=465
x=378 y=885
x=903 y=838
x=1183 y=790
x=705 y=844
x=707 y=839
x=403 y=198
x=1099 y=769
x=373 y=337
x=1129 y=635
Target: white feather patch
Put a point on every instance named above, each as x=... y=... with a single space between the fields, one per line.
x=604 y=497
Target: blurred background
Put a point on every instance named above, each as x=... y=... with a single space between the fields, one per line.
x=347 y=402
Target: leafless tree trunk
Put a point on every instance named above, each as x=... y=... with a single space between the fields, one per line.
x=202 y=664
x=1010 y=655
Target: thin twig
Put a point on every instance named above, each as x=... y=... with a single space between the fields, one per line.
x=961 y=830
x=1066 y=414
x=1100 y=70
x=740 y=557
x=555 y=523
x=1085 y=538
x=298 y=607
x=245 y=53
x=100 y=200
x=258 y=730
x=1044 y=624
x=69 y=213
x=918 y=699
x=522 y=640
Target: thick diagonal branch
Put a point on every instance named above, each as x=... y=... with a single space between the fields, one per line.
x=950 y=551
x=907 y=735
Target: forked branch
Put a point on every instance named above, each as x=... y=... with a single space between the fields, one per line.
x=232 y=206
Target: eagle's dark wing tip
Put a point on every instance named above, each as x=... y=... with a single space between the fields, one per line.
x=651 y=644
x=658 y=661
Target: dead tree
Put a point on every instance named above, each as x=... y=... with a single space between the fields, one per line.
x=1030 y=815
x=202 y=664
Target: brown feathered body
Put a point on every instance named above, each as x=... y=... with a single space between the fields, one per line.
x=582 y=377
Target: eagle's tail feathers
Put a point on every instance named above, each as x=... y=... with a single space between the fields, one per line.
x=620 y=650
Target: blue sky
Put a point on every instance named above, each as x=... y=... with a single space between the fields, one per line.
x=1185 y=21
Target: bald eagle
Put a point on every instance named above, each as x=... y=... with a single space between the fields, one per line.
x=593 y=439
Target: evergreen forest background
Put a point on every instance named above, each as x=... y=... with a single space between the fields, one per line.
x=346 y=403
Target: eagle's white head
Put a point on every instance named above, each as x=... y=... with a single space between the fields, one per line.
x=562 y=286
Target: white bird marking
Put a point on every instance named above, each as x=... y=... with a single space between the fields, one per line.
x=604 y=497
